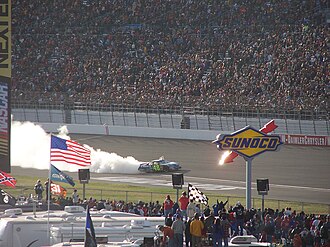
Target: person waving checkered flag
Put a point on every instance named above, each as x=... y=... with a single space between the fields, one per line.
x=196 y=195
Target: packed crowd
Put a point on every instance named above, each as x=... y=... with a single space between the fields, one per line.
x=232 y=53
x=185 y=220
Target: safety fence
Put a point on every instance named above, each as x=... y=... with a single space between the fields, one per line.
x=288 y=121
x=153 y=196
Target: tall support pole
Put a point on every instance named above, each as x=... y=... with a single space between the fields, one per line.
x=248 y=182
x=84 y=190
x=262 y=205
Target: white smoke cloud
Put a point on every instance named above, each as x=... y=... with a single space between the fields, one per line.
x=30 y=148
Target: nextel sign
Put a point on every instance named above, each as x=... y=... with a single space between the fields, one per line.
x=248 y=142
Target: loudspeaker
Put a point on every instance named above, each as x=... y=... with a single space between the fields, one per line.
x=177 y=179
x=263 y=184
x=83 y=174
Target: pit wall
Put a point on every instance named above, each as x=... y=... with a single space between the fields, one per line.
x=186 y=134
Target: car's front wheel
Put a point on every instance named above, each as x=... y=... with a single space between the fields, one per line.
x=166 y=169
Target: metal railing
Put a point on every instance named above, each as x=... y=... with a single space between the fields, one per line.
x=135 y=197
x=223 y=119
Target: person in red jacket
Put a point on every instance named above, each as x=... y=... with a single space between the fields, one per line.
x=184 y=200
x=297 y=242
x=168 y=205
x=168 y=236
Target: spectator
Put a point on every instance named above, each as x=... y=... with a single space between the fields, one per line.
x=100 y=205
x=239 y=218
x=217 y=233
x=178 y=227
x=38 y=189
x=325 y=232
x=187 y=233
x=91 y=203
x=169 y=220
x=285 y=225
x=184 y=201
x=315 y=225
x=168 y=236
x=198 y=209
x=271 y=54
x=207 y=211
x=309 y=239
x=75 y=197
x=168 y=205
x=175 y=208
x=177 y=213
x=196 y=228
x=208 y=223
x=269 y=228
x=191 y=209
x=225 y=226
x=48 y=190
x=297 y=242
x=218 y=207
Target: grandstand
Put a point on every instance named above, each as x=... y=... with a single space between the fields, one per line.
x=231 y=54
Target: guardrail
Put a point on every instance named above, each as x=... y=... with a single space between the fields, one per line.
x=289 y=121
x=147 y=197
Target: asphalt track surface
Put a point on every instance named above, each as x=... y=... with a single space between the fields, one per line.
x=295 y=173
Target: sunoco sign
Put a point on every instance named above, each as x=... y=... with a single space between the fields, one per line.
x=248 y=142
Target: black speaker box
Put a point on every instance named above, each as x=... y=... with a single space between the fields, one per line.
x=83 y=174
x=177 y=179
x=263 y=184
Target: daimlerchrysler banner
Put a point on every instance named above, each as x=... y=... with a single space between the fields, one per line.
x=5 y=83
x=305 y=140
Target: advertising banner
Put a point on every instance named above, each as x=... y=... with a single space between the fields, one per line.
x=304 y=140
x=5 y=83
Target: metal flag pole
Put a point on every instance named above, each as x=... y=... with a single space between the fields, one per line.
x=248 y=182
x=48 y=190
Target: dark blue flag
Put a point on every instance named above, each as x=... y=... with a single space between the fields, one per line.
x=90 y=240
x=57 y=175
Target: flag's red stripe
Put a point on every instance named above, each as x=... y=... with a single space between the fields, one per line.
x=58 y=153
x=70 y=161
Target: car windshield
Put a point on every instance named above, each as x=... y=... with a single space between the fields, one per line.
x=163 y=161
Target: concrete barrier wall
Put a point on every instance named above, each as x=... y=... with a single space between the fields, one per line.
x=133 y=131
x=186 y=134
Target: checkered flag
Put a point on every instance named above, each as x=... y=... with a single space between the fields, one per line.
x=196 y=195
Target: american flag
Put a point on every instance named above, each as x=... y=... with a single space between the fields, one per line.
x=7 y=180
x=68 y=152
x=196 y=195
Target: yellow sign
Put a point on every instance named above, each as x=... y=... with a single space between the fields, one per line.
x=248 y=142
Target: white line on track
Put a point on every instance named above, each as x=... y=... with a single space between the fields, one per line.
x=273 y=185
x=159 y=182
x=216 y=184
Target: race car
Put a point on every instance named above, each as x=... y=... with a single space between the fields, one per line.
x=160 y=165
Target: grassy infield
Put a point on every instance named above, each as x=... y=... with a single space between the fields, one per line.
x=132 y=193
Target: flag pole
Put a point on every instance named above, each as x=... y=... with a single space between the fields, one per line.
x=48 y=191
